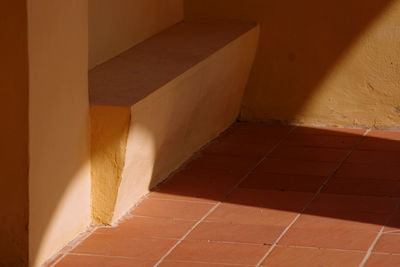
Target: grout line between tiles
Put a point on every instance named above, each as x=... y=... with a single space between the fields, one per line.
x=378 y=236
x=220 y=202
x=340 y=164
x=319 y=248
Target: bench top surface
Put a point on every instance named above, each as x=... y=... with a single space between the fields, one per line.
x=129 y=77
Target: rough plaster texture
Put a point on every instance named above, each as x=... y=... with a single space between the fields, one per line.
x=334 y=62
x=59 y=171
x=109 y=135
x=14 y=205
x=117 y=25
x=173 y=121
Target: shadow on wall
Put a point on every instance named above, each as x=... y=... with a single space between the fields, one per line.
x=298 y=73
x=311 y=37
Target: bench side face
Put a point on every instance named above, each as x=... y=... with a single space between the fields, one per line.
x=174 y=122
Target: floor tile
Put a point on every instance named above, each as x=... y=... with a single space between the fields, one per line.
x=377 y=144
x=283 y=182
x=99 y=261
x=335 y=131
x=345 y=238
x=334 y=204
x=255 y=134
x=369 y=171
x=172 y=209
x=389 y=243
x=281 y=201
x=223 y=163
x=346 y=142
x=212 y=178
x=198 y=193
x=299 y=167
x=236 y=232
x=235 y=149
x=362 y=186
x=385 y=134
x=259 y=207
x=105 y=245
x=309 y=153
x=190 y=185
x=238 y=214
x=148 y=227
x=196 y=264
x=335 y=229
x=214 y=252
x=383 y=260
x=374 y=157
x=309 y=257
x=394 y=223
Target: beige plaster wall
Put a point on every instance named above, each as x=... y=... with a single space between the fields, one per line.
x=334 y=62
x=59 y=175
x=172 y=123
x=117 y=25
x=14 y=207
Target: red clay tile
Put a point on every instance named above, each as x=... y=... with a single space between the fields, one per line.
x=374 y=157
x=383 y=260
x=283 y=182
x=361 y=186
x=393 y=224
x=332 y=203
x=235 y=149
x=214 y=252
x=147 y=227
x=326 y=141
x=309 y=153
x=172 y=209
x=327 y=234
x=234 y=232
x=234 y=213
x=371 y=143
x=99 y=261
x=284 y=166
x=208 y=186
x=335 y=131
x=195 y=264
x=286 y=201
x=223 y=163
x=200 y=193
x=110 y=245
x=255 y=134
x=309 y=257
x=369 y=171
x=204 y=177
x=259 y=128
x=352 y=221
x=389 y=243
x=385 y=134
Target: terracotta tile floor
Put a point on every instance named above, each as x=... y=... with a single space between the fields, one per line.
x=265 y=195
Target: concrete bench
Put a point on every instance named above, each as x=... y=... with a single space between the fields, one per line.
x=156 y=104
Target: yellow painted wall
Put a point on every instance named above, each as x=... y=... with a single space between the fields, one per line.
x=59 y=175
x=14 y=207
x=333 y=62
x=117 y=25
